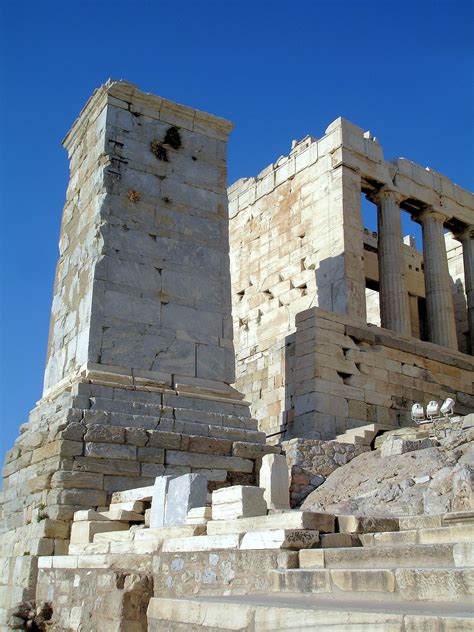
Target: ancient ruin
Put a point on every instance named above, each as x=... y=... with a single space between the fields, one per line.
x=159 y=466
x=298 y=242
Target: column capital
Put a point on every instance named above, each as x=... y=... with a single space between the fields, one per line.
x=464 y=233
x=429 y=212
x=385 y=192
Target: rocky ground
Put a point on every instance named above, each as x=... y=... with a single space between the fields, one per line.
x=432 y=480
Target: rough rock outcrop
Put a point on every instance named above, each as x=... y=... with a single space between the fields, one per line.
x=431 y=480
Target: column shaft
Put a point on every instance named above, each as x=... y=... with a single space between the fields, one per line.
x=439 y=297
x=394 y=301
x=467 y=241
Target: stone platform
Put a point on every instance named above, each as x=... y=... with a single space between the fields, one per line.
x=140 y=352
x=391 y=575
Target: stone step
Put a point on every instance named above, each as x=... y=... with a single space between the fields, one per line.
x=152 y=535
x=114 y=561
x=401 y=556
x=137 y=506
x=408 y=523
x=186 y=420
x=122 y=515
x=363 y=435
x=279 y=539
x=130 y=495
x=440 y=520
x=459 y=517
x=355 y=440
x=117 y=536
x=413 y=584
x=439 y=535
x=164 y=533
x=366 y=524
x=91 y=548
x=269 y=613
x=202 y=543
x=338 y=540
x=85 y=531
x=183 y=410
x=287 y=520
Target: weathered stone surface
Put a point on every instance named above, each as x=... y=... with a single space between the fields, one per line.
x=184 y=493
x=239 y=501
x=287 y=520
x=209 y=461
x=274 y=480
x=129 y=495
x=104 y=434
x=401 y=446
x=110 y=451
x=84 y=531
x=158 y=502
x=280 y=538
x=199 y=515
x=77 y=480
x=202 y=543
x=122 y=515
x=88 y=515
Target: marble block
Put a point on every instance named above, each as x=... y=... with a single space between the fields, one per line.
x=274 y=480
x=238 y=501
x=184 y=493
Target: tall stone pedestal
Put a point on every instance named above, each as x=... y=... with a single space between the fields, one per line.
x=140 y=353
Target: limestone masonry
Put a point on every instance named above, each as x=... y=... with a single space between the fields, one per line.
x=151 y=487
x=298 y=242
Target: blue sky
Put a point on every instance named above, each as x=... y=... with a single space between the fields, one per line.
x=279 y=70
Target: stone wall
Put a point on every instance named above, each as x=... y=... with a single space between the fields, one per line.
x=17 y=582
x=140 y=353
x=91 y=599
x=102 y=439
x=310 y=462
x=297 y=241
x=347 y=376
x=143 y=280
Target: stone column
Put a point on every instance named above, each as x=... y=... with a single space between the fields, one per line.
x=394 y=301
x=467 y=240
x=439 y=299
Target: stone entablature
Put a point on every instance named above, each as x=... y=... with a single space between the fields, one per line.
x=348 y=144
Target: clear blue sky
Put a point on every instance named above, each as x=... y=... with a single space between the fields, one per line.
x=279 y=70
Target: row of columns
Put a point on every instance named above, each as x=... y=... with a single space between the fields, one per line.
x=393 y=293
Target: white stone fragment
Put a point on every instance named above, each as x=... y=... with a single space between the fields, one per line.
x=141 y=493
x=84 y=531
x=184 y=493
x=158 y=503
x=238 y=501
x=274 y=480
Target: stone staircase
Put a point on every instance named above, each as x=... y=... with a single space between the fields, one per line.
x=288 y=570
x=417 y=576
x=363 y=435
